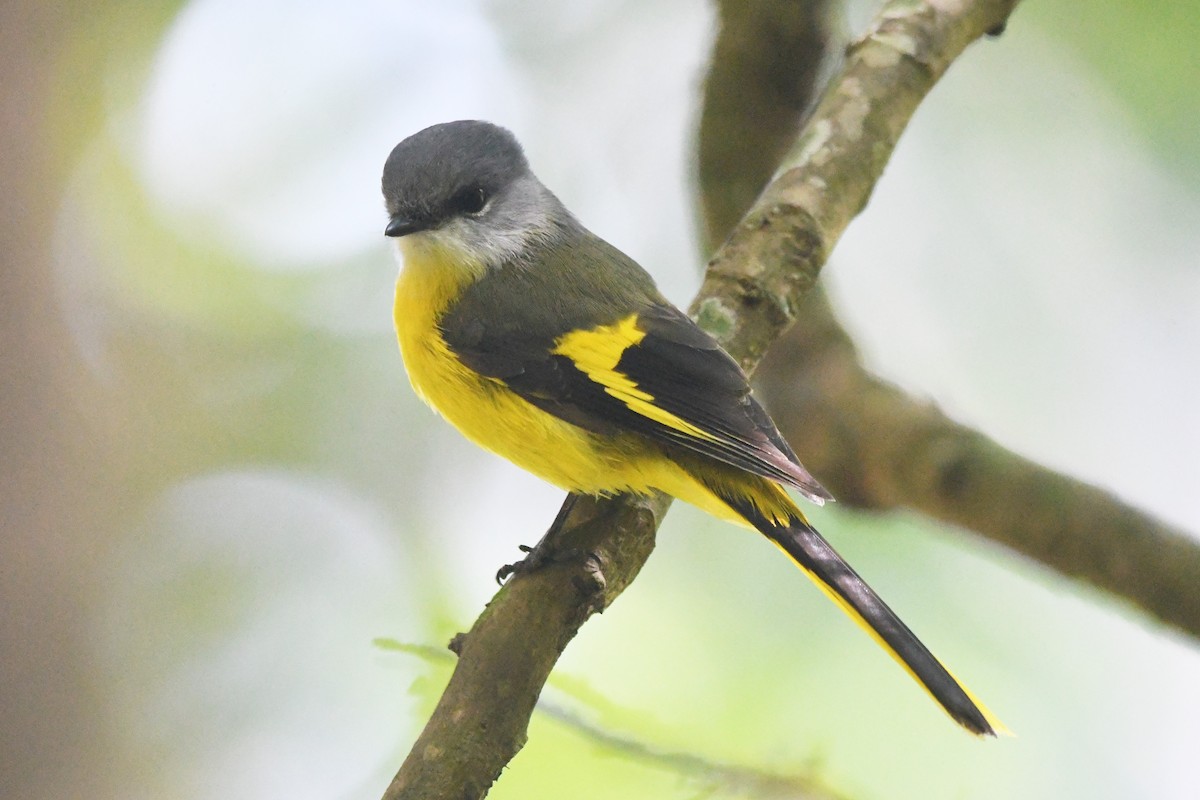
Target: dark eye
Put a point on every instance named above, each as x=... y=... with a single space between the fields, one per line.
x=470 y=201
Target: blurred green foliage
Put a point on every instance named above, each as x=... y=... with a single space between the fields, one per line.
x=275 y=498
x=1146 y=55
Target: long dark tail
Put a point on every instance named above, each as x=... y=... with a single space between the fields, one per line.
x=838 y=579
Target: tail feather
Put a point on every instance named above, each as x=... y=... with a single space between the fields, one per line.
x=842 y=584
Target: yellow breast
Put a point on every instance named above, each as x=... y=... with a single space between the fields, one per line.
x=485 y=410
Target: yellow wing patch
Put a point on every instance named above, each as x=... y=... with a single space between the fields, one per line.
x=597 y=351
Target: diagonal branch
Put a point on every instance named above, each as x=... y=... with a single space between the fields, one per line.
x=754 y=287
x=714 y=777
x=875 y=447
x=481 y=719
x=709 y=775
x=756 y=281
x=879 y=448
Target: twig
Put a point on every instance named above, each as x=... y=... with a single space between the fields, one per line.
x=734 y=778
x=731 y=778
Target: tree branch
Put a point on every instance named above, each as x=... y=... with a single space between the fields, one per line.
x=756 y=281
x=732 y=779
x=763 y=75
x=878 y=448
x=710 y=776
x=752 y=292
x=875 y=447
x=480 y=722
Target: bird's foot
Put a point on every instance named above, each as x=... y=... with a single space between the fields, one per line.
x=545 y=552
x=538 y=556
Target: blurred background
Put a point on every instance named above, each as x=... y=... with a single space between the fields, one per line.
x=219 y=491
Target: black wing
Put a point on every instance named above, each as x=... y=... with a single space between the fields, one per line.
x=654 y=372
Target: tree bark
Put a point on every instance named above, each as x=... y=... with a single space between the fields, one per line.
x=871 y=444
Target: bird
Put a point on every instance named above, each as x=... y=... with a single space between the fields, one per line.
x=543 y=343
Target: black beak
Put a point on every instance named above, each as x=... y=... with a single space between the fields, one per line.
x=402 y=226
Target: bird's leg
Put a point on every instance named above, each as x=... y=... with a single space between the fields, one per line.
x=544 y=552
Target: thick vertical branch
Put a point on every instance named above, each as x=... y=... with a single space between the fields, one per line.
x=763 y=75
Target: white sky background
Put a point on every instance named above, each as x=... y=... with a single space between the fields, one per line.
x=1024 y=262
